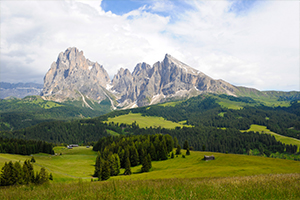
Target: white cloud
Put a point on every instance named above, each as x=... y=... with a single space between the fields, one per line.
x=259 y=49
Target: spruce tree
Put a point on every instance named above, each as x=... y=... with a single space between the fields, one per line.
x=149 y=161
x=19 y=174
x=146 y=164
x=98 y=166
x=175 y=142
x=105 y=170
x=134 y=156
x=117 y=165
x=127 y=167
x=178 y=150
x=6 y=175
x=32 y=159
x=44 y=177
x=185 y=145
x=172 y=154
x=28 y=172
x=188 y=152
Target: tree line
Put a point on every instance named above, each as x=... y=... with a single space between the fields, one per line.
x=25 y=147
x=16 y=174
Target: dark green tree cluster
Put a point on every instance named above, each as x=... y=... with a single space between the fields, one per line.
x=15 y=174
x=24 y=147
x=214 y=139
x=135 y=150
x=107 y=166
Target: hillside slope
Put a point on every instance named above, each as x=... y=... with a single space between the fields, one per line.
x=31 y=110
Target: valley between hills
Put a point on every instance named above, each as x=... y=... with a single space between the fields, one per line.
x=145 y=134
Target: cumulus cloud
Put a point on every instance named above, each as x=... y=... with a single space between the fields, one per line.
x=253 y=45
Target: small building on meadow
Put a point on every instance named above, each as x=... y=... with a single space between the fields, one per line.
x=209 y=157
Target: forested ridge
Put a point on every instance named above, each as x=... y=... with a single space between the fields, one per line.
x=203 y=112
x=20 y=113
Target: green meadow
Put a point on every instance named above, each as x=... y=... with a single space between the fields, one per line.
x=79 y=163
x=144 y=121
x=229 y=176
x=281 y=138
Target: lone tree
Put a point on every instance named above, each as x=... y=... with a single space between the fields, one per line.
x=32 y=159
x=172 y=154
x=178 y=150
x=188 y=152
x=185 y=145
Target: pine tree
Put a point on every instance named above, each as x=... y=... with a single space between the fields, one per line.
x=172 y=154
x=146 y=164
x=28 y=172
x=134 y=156
x=127 y=167
x=32 y=159
x=98 y=166
x=175 y=142
x=105 y=170
x=178 y=150
x=153 y=152
x=44 y=177
x=149 y=161
x=185 y=145
x=117 y=165
x=188 y=152
x=19 y=174
x=6 y=175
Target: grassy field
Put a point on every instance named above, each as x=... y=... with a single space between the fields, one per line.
x=229 y=176
x=72 y=164
x=144 y=121
x=79 y=163
x=230 y=105
x=281 y=138
x=281 y=186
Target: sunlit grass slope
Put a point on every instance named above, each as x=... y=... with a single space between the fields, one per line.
x=72 y=164
x=281 y=186
x=79 y=163
x=281 y=138
x=225 y=165
x=144 y=121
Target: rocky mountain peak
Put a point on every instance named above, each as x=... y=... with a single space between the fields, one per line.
x=73 y=75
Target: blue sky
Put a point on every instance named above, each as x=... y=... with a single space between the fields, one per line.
x=246 y=43
x=121 y=7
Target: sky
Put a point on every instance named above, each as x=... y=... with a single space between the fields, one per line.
x=246 y=43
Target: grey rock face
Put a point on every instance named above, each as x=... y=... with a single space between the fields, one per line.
x=167 y=79
x=72 y=75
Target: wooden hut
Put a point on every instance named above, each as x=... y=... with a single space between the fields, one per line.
x=209 y=157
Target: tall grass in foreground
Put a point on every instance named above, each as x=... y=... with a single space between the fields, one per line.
x=280 y=186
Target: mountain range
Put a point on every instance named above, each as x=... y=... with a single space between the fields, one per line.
x=19 y=90
x=74 y=77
